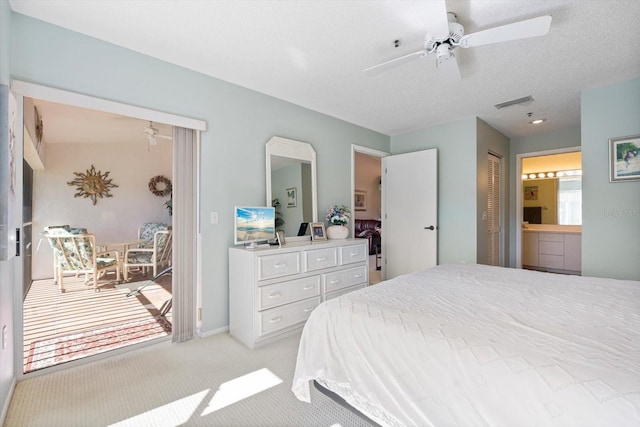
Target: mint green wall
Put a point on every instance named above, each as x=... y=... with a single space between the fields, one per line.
x=610 y=211
x=240 y=122
x=456 y=144
x=490 y=140
x=6 y=267
x=564 y=138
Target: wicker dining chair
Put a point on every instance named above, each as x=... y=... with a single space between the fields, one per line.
x=75 y=251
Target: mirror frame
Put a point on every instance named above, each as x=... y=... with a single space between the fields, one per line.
x=283 y=147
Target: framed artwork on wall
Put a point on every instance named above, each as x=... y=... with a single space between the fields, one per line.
x=292 y=197
x=360 y=200
x=624 y=159
x=317 y=231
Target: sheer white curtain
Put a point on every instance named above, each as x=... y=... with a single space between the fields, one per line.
x=570 y=201
x=185 y=153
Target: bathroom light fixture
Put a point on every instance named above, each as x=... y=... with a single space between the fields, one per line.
x=537 y=121
x=552 y=174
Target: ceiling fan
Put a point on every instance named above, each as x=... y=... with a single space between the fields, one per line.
x=152 y=134
x=446 y=34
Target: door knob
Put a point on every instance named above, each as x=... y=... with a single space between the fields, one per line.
x=431 y=227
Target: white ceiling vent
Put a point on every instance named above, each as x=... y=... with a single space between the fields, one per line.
x=524 y=101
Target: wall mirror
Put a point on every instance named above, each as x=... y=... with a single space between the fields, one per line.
x=291 y=183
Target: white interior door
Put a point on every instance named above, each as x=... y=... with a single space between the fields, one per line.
x=410 y=212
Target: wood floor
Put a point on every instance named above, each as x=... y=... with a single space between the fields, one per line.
x=48 y=313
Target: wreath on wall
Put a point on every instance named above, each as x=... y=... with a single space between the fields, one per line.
x=160 y=186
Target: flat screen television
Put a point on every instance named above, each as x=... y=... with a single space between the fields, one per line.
x=254 y=225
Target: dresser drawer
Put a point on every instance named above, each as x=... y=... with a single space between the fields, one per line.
x=344 y=278
x=286 y=292
x=551 y=237
x=317 y=259
x=552 y=261
x=341 y=292
x=282 y=317
x=551 y=248
x=353 y=254
x=279 y=265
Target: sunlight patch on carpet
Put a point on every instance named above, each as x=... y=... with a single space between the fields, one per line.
x=240 y=388
x=172 y=414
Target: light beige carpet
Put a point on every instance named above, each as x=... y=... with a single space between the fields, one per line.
x=214 y=381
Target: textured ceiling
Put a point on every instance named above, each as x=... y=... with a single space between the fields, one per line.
x=312 y=53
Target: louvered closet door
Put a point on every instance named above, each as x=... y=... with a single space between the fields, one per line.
x=494 y=219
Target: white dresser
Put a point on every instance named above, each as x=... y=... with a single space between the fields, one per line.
x=272 y=291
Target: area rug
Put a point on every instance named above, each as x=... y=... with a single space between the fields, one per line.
x=66 y=348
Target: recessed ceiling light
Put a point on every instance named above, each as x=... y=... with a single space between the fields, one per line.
x=537 y=121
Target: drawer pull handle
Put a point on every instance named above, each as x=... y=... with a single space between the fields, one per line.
x=355 y=253
x=306 y=288
x=334 y=281
x=308 y=309
x=279 y=265
x=275 y=319
x=275 y=295
x=321 y=259
x=357 y=276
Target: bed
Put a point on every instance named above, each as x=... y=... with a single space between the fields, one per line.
x=473 y=345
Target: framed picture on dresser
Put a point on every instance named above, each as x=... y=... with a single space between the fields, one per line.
x=317 y=231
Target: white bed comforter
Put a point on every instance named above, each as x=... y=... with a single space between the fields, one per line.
x=471 y=345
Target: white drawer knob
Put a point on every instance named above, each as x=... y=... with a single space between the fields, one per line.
x=306 y=288
x=280 y=265
x=335 y=281
x=275 y=319
x=275 y=295
x=321 y=259
x=308 y=309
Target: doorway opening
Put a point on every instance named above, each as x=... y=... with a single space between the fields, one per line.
x=539 y=204
x=71 y=310
x=366 y=207
x=183 y=167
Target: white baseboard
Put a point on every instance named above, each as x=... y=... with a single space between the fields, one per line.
x=213 y=332
x=5 y=406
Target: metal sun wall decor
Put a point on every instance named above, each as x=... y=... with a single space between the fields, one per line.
x=92 y=184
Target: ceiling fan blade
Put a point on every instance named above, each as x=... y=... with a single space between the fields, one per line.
x=518 y=30
x=449 y=67
x=372 y=71
x=436 y=21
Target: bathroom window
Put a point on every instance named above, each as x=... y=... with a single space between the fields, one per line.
x=570 y=201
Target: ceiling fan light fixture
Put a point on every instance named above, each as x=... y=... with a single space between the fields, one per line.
x=537 y=121
x=525 y=100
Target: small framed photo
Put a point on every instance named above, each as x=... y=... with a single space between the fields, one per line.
x=624 y=159
x=360 y=200
x=317 y=231
x=280 y=237
x=292 y=197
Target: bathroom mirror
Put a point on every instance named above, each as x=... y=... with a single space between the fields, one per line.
x=291 y=180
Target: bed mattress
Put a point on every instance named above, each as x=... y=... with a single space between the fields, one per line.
x=473 y=345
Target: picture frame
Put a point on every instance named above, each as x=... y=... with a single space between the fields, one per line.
x=317 y=231
x=624 y=159
x=531 y=192
x=292 y=197
x=360 y=200
x=280 y=237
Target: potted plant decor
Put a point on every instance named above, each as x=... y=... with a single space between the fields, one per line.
x=338 y=218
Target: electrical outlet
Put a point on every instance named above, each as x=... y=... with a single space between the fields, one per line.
x=214 y=217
